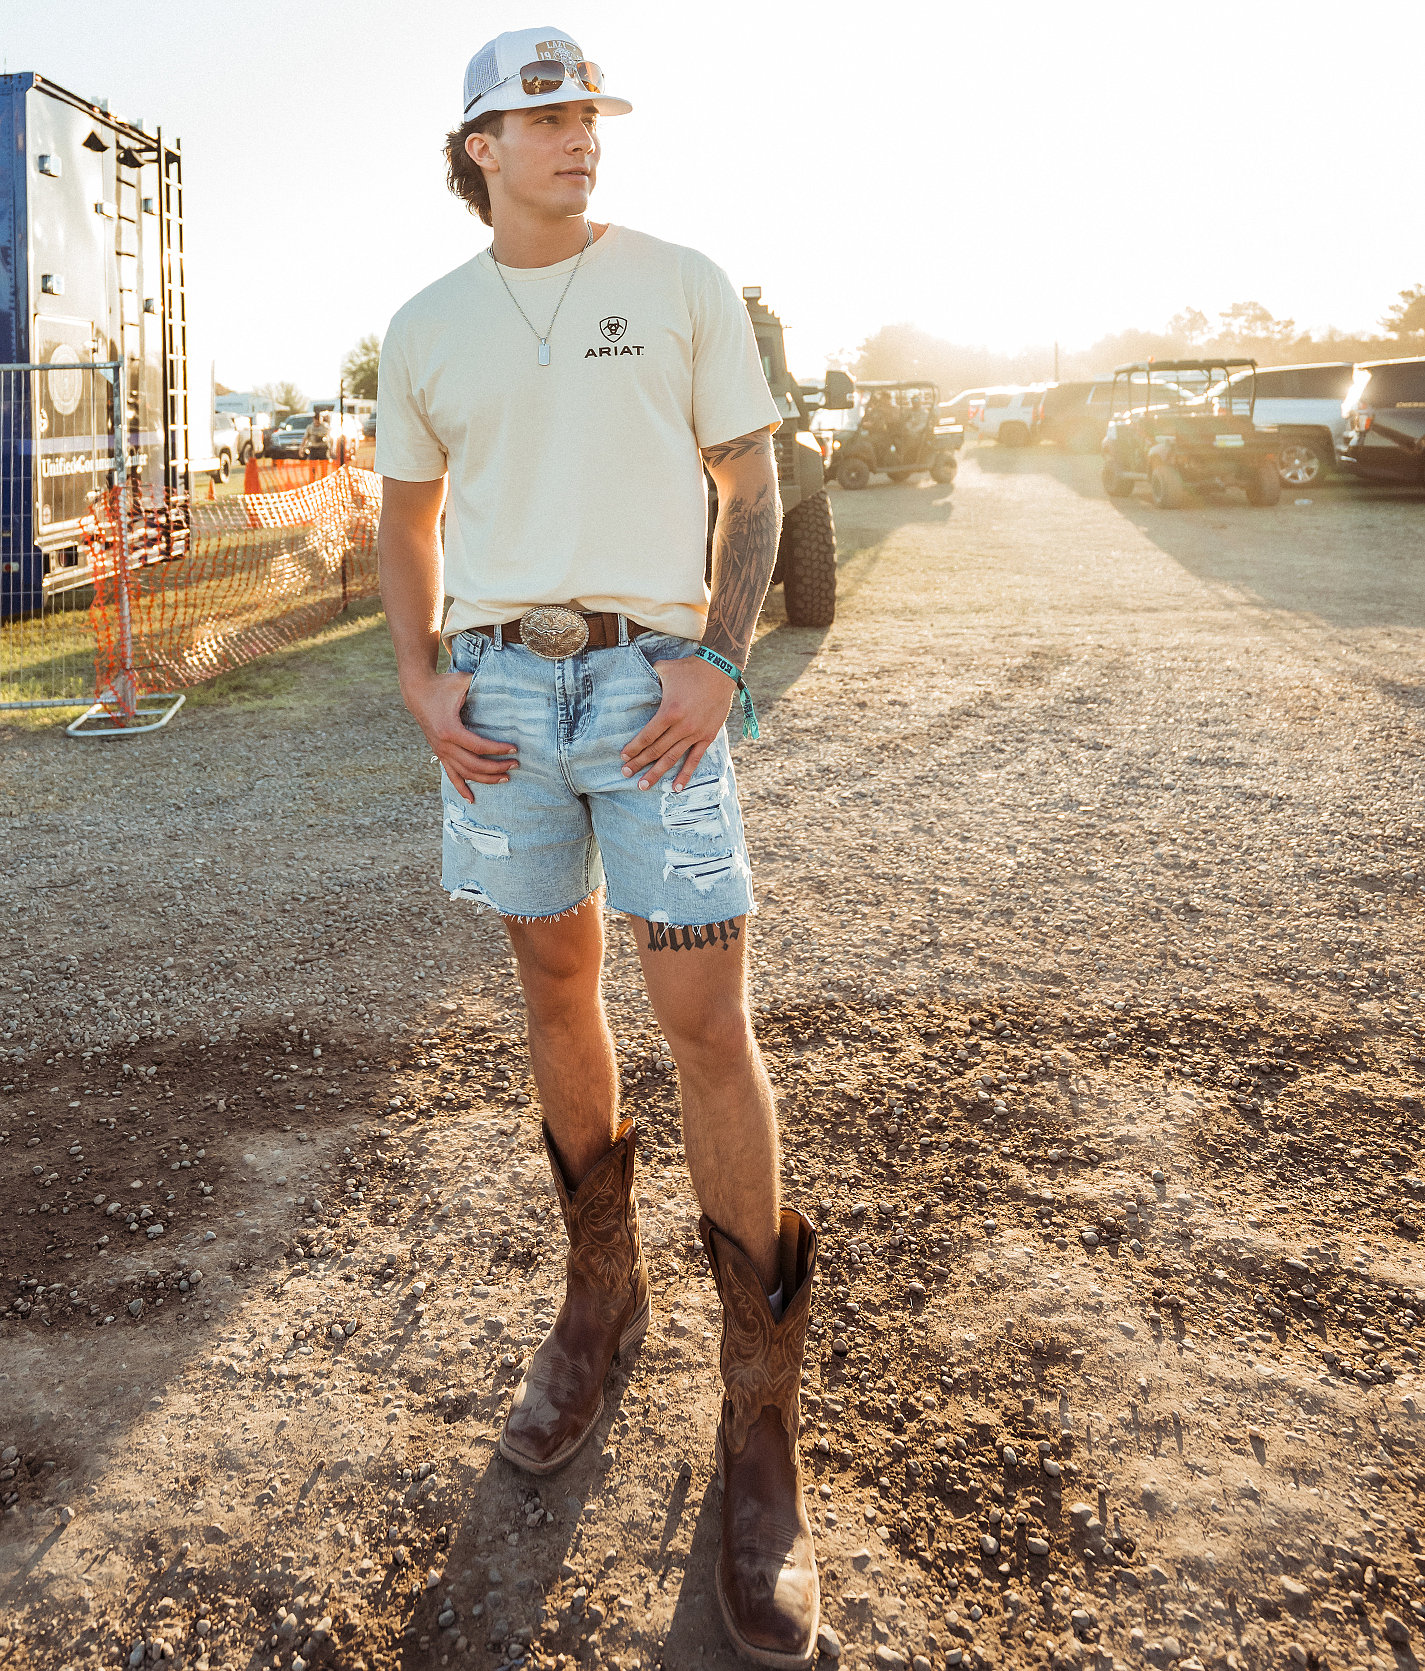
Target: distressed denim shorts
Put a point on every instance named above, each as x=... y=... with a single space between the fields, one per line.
x=569 y=821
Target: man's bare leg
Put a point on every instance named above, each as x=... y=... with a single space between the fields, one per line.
x=606 y=1308
x=699 y=994
x=766 y=1575
x=570 y=1047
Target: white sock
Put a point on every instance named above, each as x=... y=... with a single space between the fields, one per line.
x=776 y=1302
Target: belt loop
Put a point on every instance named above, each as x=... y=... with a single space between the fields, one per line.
x=623 y=631
x=499 y=636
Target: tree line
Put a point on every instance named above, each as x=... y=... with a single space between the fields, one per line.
x=905 y=351
x=359 y=368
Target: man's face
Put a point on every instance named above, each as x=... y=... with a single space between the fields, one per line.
x=545 y=160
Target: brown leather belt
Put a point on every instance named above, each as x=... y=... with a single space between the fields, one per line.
x=602 y=625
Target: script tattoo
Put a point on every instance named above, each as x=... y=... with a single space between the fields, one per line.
x=669 y=937
x=744 y=547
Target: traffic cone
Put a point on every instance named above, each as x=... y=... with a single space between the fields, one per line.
x=250 y=480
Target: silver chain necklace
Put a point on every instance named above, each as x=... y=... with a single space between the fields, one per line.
x=543 y=340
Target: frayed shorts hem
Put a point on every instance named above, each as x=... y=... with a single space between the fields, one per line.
x=473 y=894
x=704 y=921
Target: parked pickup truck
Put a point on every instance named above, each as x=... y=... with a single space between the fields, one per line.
x=1303 y=405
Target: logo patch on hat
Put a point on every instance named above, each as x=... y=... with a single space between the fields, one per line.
x=613 y=327
x=563 y=52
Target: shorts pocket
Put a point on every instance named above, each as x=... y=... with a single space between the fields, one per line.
x=467 y=655
x=660 y=646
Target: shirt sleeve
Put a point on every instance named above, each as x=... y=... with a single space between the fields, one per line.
x=407 y=448
x=730 y=393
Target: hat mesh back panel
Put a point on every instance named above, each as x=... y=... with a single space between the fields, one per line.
x=482 y=75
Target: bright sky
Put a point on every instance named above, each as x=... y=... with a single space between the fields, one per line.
x=998 y=174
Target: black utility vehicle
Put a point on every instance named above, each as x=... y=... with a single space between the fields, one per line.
x=1385 y=422
x=1074 y=415
x=1163 y=431
x=806 y=554
x=899 y=433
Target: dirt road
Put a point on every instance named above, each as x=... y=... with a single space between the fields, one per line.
x=1090 y=844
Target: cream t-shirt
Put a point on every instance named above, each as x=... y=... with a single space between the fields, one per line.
x=578 y=482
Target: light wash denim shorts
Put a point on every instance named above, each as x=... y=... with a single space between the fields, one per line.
x=569 y=821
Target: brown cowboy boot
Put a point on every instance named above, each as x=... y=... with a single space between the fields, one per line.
x=605 y=1312
x=766 y=1570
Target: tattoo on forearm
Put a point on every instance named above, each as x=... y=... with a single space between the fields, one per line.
x=669 y=937
x=739 y=447
x=744 y=555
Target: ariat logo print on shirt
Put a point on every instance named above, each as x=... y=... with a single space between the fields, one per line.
x=613 y=329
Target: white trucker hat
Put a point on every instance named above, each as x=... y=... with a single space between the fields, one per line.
x=493 y=79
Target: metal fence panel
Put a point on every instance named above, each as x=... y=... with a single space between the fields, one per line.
x=57 y=453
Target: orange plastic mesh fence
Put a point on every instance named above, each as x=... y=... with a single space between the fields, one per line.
x=276 y=475
x=255 y=573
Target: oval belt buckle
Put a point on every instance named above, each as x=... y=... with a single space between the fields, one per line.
x=553 y=632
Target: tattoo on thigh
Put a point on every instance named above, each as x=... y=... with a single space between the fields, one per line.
x=670 y=937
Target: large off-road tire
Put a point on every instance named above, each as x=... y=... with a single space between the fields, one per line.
x=1165 y=483
x=807 y=559
x=853 y=473
x=1266 y=487
x=1013 y=435
x=943 y=468
x=1301 y=462
x=1115 y=484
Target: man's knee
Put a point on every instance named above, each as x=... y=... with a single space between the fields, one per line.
x=717 y=1033
x=560 y=961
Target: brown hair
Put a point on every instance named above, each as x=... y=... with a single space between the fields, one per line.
x=462 y=174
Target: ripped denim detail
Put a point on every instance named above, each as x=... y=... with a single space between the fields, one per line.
x=475 y=894
x=492 y=844
x=703 y=870
x=697 y=810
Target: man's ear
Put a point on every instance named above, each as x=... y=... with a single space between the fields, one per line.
x=481 y=152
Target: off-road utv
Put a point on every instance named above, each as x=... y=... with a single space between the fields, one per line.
x=900 y=433
x=1163 y=430
x=806 y=557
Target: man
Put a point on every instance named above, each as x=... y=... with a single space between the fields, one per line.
x=558 y=397
x=316 y=438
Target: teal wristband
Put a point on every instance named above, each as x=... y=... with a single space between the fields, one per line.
x=723 y=665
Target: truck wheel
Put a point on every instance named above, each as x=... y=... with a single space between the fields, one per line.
x=1166 y=485
x=943 y=468
x=1115 y=485
x=899 y=476
x=225 y=467
x=1300 y=463
x=807 y=559
x=1265 y=488
x=853 y=473
x=1013 y=435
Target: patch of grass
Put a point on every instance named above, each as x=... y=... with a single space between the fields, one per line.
x=353 y=650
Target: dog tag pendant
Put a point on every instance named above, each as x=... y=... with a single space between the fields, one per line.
x=544 y=351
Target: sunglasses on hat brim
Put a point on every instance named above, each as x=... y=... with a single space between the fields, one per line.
x=548 y=75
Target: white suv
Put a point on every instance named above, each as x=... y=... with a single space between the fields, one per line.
x=1007 y=415
x=1303 y=404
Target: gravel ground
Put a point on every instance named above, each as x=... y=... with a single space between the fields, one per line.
x=1089 y=845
